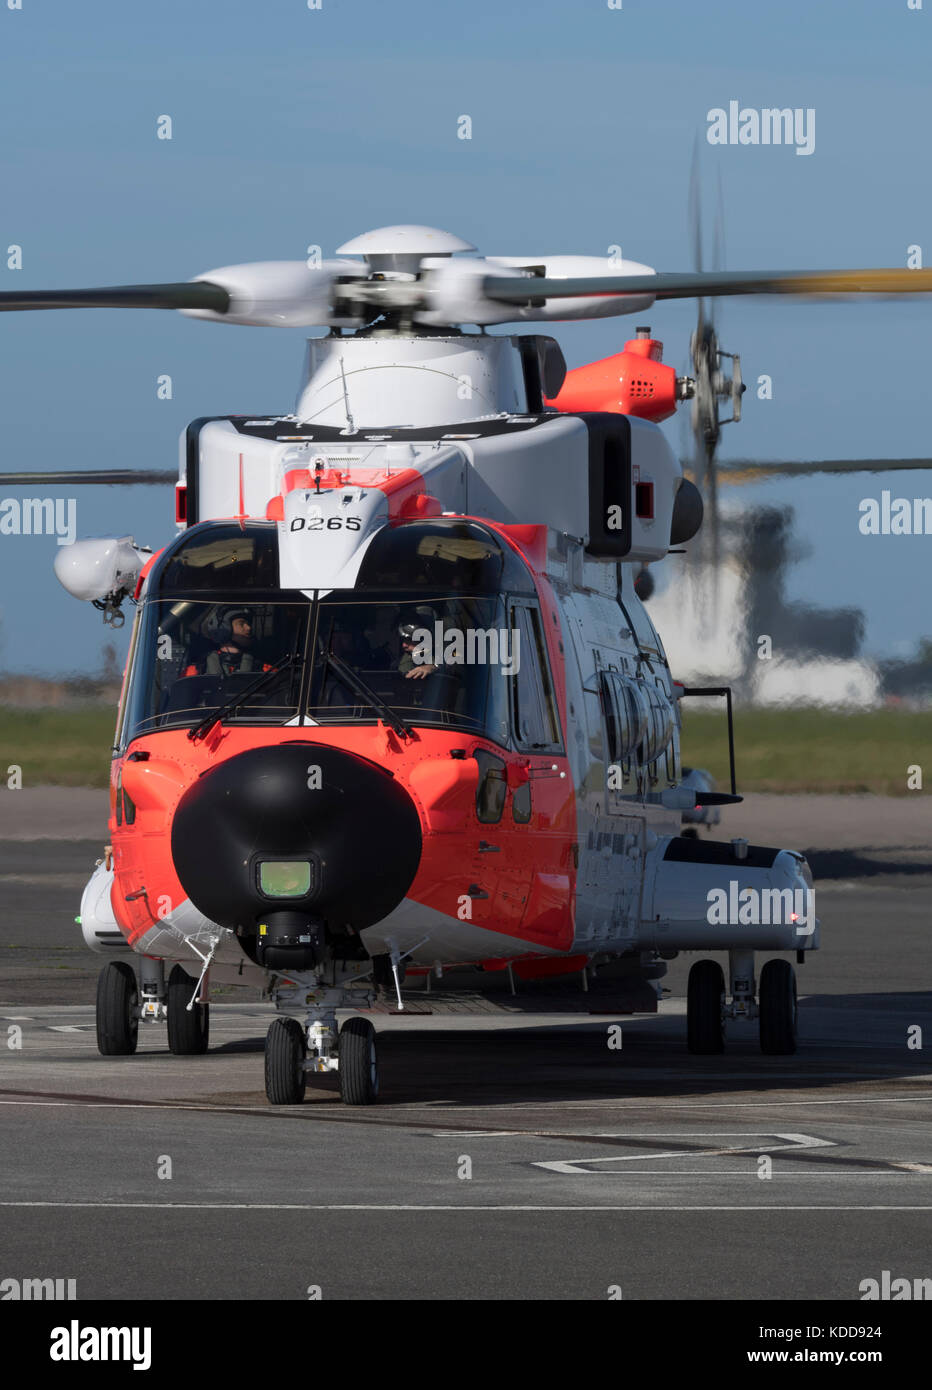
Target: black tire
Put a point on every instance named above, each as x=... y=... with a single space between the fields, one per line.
x=285 y=1051
x=776 y=1002
x=188 y=1031
x=705 y=999
x=359 y=1066
x=117 y=1004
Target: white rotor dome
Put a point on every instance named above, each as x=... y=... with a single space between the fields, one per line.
x=403 y=247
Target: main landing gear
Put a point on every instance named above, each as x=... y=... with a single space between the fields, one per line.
x=121 y=1003
x=775 y=1007
x=188 y=1019
x=117 y=1010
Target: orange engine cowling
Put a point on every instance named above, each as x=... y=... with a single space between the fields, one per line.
x=632 y=382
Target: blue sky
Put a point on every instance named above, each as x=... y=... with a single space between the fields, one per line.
x=294 y=127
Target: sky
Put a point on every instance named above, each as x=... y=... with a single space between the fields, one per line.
x=294 y=127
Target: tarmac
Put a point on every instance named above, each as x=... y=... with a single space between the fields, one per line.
x=507 y=1158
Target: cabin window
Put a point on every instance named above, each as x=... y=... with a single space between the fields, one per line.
x=534 y=711
x=492 y=788
x=521 y=804
x=659 y=730
x=626 y=715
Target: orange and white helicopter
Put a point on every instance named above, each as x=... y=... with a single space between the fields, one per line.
x=392 y=700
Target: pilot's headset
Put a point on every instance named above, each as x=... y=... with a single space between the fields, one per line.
x=219 y=626
x=427 y=618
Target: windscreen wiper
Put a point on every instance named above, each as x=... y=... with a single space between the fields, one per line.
x=216 y=716
x=362 y=688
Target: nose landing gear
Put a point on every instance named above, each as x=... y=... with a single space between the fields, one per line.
x=291 y=1051
x=290 y=1054
x=359 y=1064
x=285 y=1056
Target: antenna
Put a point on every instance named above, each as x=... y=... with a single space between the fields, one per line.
x=350 y=426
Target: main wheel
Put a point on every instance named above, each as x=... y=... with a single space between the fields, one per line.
x=285 y=1051
x=117 y=1010
x=776 y=1002
x=188 y=1030
x=359 y=1066
x=705 y=1008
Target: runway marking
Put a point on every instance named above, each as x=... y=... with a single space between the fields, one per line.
x=415 y=1206
x=807 y=1140
x=68 y=1027
x=583 y=1166
x=656 y=1103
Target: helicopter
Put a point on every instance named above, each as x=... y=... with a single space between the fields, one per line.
x=393 y=707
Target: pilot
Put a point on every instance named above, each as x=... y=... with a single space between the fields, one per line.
x=232 y=630
x=409 y=668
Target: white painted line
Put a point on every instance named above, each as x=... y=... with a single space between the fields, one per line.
x=415 y=1206
x=68 y=1027
x=581 y=1165
x=620 y=1134
x=17 y=1018
x=489 y=1134
x=653 y=1103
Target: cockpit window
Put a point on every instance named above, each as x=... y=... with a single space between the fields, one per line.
x=220 y=557
x=441 y=661
x=192 y=656
x=425 y=635
x=445 y=554
x=434 y=659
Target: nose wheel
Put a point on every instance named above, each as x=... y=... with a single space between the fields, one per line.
x=285 y=1053
x=359 y=1063
x=291 y=1051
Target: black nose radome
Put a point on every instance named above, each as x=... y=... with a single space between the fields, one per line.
x=296 y=828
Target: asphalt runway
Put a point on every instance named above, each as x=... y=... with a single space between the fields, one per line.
x=508 y=1158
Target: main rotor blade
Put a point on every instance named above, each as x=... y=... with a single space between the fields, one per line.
x=695 y=209
x=198 y=294
x=688 y=285
x=104 y=476
x=748 y=470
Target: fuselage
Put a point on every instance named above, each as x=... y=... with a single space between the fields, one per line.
x=391 y=692
x=499 y=754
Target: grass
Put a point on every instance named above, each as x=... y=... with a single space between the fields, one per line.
x=775 y=750
x=811 y=750
x=66 y=747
